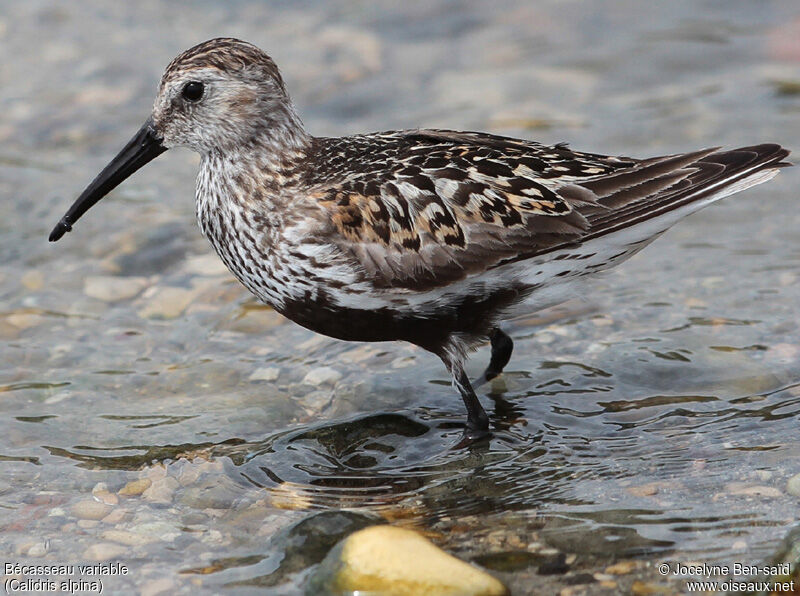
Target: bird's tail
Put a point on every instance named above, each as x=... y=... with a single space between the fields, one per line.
x=663 y=190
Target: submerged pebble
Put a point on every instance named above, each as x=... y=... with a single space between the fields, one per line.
x=644 y=490
x=621 y=567
x=291 y=496
x=161 y=490
x=156 y=587
x=32 y=280
x=135 y=487
x=24 y=320
x=101 y=493
x=38 y=550
x=104 y=551
x=738 y=488
x=117 y=516
x=265 y=374
x=640 y=588
x=324 y=375
x=793 y=485
x=166 y=302
x=159 y=530
x=90 y=510
x=210 y=493
x=128 y=538
x=109 y=288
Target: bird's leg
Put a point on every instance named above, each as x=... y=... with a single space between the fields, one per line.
x=453 y=353
x=502 y=346
x=477 y=420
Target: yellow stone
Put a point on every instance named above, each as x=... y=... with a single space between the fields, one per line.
x=110 y=288
x=640 y=588
x=644 y=490
x=291 y=496
x=24 y=320
x=135 y=487
x=395 y=561
x=166 y=302
x=90 y=510
x=33 y=280
x=128 y=538
x=106 y=497
x=621 y=567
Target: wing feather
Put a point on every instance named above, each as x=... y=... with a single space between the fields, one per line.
x=421 y=209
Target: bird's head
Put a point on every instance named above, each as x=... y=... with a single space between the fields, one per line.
x=219 y=96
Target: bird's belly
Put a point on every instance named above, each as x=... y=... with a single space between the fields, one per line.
x=331 y=300
x=304 y=295
x=390 y=316
x=429 y=328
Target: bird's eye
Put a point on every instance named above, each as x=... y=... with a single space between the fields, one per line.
x=192 y=91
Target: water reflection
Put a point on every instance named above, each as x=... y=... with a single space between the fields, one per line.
x=134 y=457
x=381 y=459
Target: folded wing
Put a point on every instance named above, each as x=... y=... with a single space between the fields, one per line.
x=427 y=208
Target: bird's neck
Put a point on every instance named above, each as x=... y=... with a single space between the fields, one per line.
x=280 y=136
x=273 y=133
x=245 y=192
x=243 y=207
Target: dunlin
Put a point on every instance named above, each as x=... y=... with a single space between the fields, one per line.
x=427 y=236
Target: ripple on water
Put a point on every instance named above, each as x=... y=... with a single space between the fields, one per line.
x=562 y=454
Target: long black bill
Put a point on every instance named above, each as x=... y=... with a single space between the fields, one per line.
x=142 y=148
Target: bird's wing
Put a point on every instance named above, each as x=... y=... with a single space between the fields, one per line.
x=416 y=210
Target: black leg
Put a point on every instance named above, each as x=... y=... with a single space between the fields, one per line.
x=502 y=346
x=477 y=420
x=453 y=356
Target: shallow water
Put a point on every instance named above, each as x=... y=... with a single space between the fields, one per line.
x=655 y=417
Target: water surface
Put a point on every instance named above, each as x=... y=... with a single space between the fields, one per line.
x=654 y=417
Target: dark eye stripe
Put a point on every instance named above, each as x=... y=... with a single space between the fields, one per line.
x=192 y=91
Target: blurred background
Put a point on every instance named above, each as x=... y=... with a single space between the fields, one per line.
x=152 y=412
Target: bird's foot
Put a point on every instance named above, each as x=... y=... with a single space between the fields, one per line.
x=473 y=434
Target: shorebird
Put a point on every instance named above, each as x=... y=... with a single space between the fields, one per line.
x=427 y=236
